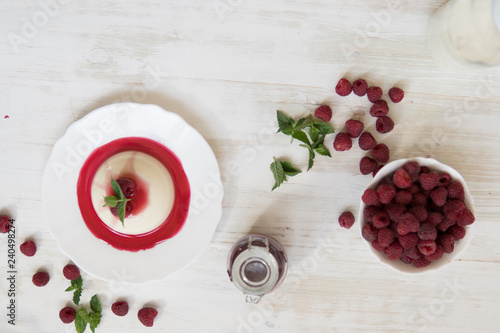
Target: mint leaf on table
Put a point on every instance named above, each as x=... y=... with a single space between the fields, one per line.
x=80 y=322
x=322 y=150
x=301 y=136
x=77 y=287
x=280 y=170
x=285 y=123
x=289 y=169
x=96 y=314
x=324 y=128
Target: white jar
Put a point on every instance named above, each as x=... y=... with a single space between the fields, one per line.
x=466 y=33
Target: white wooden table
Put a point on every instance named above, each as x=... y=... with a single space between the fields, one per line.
x=226 y=67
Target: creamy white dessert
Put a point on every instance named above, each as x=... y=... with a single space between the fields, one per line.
x=148 y=172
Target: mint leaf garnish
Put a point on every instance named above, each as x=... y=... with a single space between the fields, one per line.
x=80 y=322
x=110 y=201
x=280 y=170
x=118 y=199
x=76 y=285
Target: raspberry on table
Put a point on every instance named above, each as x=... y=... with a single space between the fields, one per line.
x=396 y=94
x=28 y=248
x=434 y=218
x=369 y=212
x=385 y=236
x=421 y=262
x=427 y=231
x=439 y=196
x=403 y=197
x=386 y=193
x=71 y=272
x=428 y=181
x=394 y=250
x=456 y=191
x=402 y=179
x=147 y=315
x=370 y=197
x=5 y=224
x=379 y=108
x=384 y=124
x=395 y=211
x=445 y=224
x=346 y=220
x=366 y=141
x=343 y=87
x=342 y=142
x=67 y=314
x=466 y=218
x=381 y=153
x=381 y=220
x=447 y=242
x=444 y=179
x=323 y=112
x=354 y=127
x=369 y=232
x=413 y=169
x=40 y=279
x=457 y=232
x=453 y=209
x=419 y=212
x=426 y=247
x=408 y=223
x=374 y=94
x=359 y=87
x=367 y=165
x=120 y=308
x=408 y=241
x=438 y=254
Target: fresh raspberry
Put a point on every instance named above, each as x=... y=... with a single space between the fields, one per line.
x=369 y=212
x=444 y=179
x=457 y=232
x=380 y=166
x=354 y=127
x=381 y=153
x=403 y=197
x=28 y=248
x=447 y=242
x=324 y=112
x=5 y=224
x=127 y=186
x=342 y=142
x=419 y=212
x=445 y=224
x=346 y=220
x=147 y=315
x=421 y=262
x=128 y=210
x=394 y=250
x=385 y=236
x=426 y=247
x=401 y=179
x=439 y=196
x=429 y=180
x=408 y=223
x=409 y=240
x=434 y=208
x=71 y=272
x=395 y=211
x=369 y=232
x=438 y=254
x=413 y=252
x=384 y=124
x=466 y=218
x=381 y=220
x=396 y=94
x=370 y=197
x=67 y=314
x=414 y=188
x=456 y=191
x=453 y=209
x=413 y=169
x=367 y=165
x=419 y=199
x=40 y=279
x=427 y=231
x=366 y=141
x=404 y=258
x=379 y=109
x=359 y=87
x=376 y=245
x=374 y=94
x=387 y=180
x=120 y=308
x=434 y=218
x=343 y=88
x=386 y=193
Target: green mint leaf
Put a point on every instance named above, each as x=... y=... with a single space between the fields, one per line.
x=319 y=141
x=110 y=201
x=95 y=305
x=278 y=174
x=70 y=288
x=285 y=123
x=300 y=122
x=322 y=150
x=314 y=134
x=80 y=322
x=95 y=320
x=288 y=169
x=117 y=189
x=312 y=155
x=76 y=296
x=324 y=128
x=121 y=211
x=301 y=136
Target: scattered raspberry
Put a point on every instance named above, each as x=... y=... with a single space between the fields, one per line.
x=366 y=141
x=386 y=193
x=342 y=142
x=407 y=224
x=5 y=224
x=413 y=252
x=426 y=247
x=453 y=209
x=444 y=179
x=447 y=242
x=381 y=153
x=427 y=232
x=369 y=212
x=71 y=272
x=324 y=112
x=439 y=196
x=419 y=212
x=395 y=211
x=146 y=316
x=381 y=220
x=346 y=220
x=379 y=109
x=421 y=262
x=377 y=169
x=354 y=127
x=376 y=245
x=370 y=197
x=374 y=94
x=369 y=232
x=429 y=180
x=67 y=314
x=343 y=88
x=394 y=250
x=385 y=236
x=434 y=218
x=28 y=248
x=419 y=199
x=413 y=169
x=401 y=179
x=384 y=124
x=403 y=197
x=445 y=224
x=120 y=308
x=367 y=165
x=466 y=218
x=40 y=279
x=438 y=254
x=359 y=87
x=408 y=241
x=396 y=94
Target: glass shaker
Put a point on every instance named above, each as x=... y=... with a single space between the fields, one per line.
x=466 y=33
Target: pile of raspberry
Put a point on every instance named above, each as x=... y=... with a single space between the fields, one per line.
x=415 y=215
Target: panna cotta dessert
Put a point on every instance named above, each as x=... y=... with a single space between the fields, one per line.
x=152 y=188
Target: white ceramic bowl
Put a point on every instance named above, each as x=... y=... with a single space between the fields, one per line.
x=460 y=245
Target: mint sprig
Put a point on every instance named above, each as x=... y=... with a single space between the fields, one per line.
x=280 y=170
x=76 y=287
x=118 y=199
x=84 y=318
